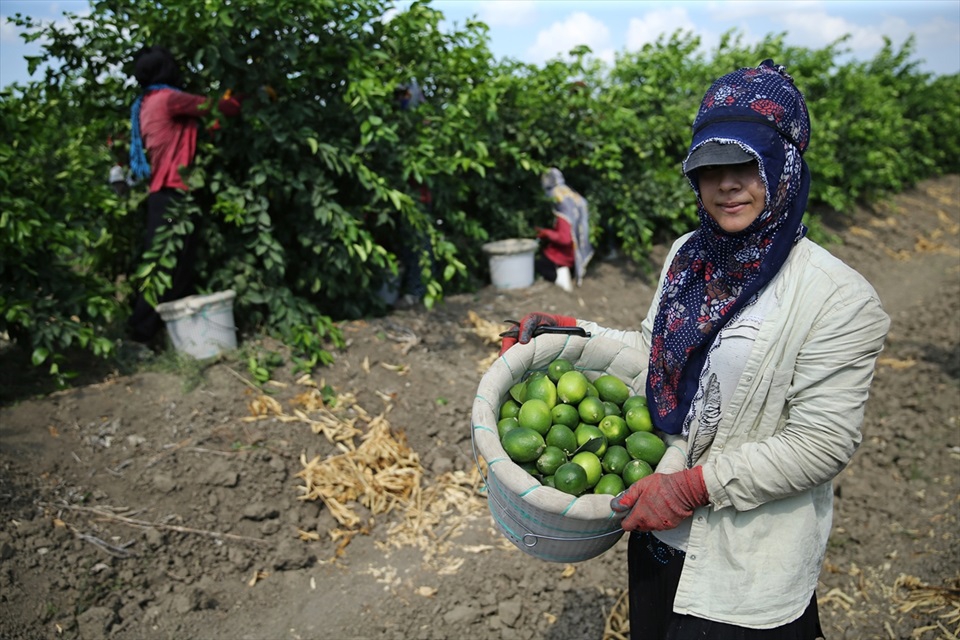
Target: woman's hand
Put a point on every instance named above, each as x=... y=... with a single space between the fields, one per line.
x=662 y=501
x=528 y=325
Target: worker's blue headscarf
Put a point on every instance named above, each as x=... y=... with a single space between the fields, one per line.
x=715 y=273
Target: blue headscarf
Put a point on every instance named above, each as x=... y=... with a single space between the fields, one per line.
x=715 y=273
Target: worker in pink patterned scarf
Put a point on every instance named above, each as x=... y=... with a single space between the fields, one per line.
x=567 y=250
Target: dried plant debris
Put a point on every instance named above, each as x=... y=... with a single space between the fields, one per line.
x=488 y=331
x=380 y=474
x=373 y=472
x=912 y=594
x=617 y=626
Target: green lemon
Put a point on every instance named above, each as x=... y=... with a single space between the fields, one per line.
x=632 y=402
x=614 y=428
x=612 y=389
x=562 y=437
x=634 y=470
x=509 y=409
x=541 y=388
x=611 y=408
x=548 y=481
x=535 y=414
x=638 y=419
x=557 y=368
x=565 y=414
x=505 y=425
x=572 y=387
x=571 y=478
x=550 y=460
x=591 y=464
x=645 y=446
x=523 y=444
x=586 y=432
x=591 y=410
x=615 y=459
x=519 y=391
x=609 y=484
x=530 y=467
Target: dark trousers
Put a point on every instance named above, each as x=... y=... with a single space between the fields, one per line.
x=144 y=320
x=654 y=570
x=545 y=268
x=414 y=247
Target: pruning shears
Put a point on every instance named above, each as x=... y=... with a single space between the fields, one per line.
x=514 y=331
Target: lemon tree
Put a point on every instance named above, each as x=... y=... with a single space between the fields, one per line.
x=306 y=195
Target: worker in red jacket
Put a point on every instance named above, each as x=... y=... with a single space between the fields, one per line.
x=164 y=125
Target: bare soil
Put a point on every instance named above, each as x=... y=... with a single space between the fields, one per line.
x=139 y=505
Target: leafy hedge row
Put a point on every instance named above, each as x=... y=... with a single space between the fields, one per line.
x=304 y=199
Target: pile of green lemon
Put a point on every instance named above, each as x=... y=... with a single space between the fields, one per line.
x=576 y=435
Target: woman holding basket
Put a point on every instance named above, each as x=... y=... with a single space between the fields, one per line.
x=761 y=348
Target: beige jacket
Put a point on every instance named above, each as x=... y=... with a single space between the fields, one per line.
x=755 y=553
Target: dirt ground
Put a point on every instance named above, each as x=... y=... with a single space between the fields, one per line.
x=137 y=505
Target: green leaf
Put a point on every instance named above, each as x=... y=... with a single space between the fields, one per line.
x=39 y=356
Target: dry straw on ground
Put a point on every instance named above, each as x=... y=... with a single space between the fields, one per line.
x=617 y=626
x=489 y=332
x=374 y=467
x=913 y=595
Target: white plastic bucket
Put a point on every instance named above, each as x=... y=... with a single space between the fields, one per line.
x=511 y=262
x=201 y=326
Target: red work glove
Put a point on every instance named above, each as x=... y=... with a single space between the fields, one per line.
x=529 y=324
x=662 y=500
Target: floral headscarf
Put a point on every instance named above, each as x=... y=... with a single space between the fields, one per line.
x=715 y=273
